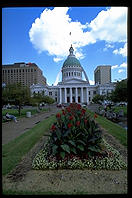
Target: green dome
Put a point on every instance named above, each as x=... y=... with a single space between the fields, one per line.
x=71 y=61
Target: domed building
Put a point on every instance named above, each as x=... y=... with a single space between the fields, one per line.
x=72 y=68
x=73 y=88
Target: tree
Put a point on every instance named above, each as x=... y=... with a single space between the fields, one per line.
x=16 y=94
x=37 y=99
x=97 y=98
x=120 y=92
x=48 y=100
x=40 y=97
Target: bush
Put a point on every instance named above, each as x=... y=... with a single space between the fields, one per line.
x=74 y=133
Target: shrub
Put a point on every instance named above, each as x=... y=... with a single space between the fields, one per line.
x=74 y=133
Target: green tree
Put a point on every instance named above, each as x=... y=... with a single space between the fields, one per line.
x=16 y=94
x=39 y=98
x=120 y=92
x=97 y=98
x=48 y=100
x=36 y=99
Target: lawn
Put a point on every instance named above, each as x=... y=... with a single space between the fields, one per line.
x=13 y=152
x=117 y=109
x=23 y=112
x=114 y=129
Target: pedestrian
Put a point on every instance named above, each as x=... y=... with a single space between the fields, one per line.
x=12 y=117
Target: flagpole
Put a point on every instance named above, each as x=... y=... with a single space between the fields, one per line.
x=70 y=38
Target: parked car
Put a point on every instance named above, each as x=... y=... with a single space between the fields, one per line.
x=8 y=106
x=121 y=104
x=59 y=105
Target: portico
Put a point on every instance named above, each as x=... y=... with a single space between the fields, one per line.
x=74 y=94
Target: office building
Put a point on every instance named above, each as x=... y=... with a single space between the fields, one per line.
x=24 y=73
x=102 y=74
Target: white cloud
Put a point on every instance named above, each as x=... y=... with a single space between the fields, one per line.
x=114 y=67
x=108 y=45
x=124 y=65
x=110 y=25
x=92 y=82
x=57 y=59
x=120 y=70
x=121 y=51
x=51 y=31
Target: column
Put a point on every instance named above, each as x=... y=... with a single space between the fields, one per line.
x=60 y=96
x=76 y=95
x=70 y=95
x=65 y=95
x=82 y=95
x=87 y=95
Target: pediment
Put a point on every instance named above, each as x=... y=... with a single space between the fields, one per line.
x=74 y=80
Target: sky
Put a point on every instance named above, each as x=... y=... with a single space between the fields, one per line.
x=43 y=35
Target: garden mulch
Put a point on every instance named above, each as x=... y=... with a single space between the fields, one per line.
x=24 y=179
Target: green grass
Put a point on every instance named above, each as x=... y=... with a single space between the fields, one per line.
x=112 y=128
x=117 y=109
x=23 y=112
x=13 y=152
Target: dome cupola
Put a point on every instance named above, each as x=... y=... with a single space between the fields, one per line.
x=71 y=60
x=71 y=67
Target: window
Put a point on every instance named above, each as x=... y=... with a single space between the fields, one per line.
x=89 y=98
x=68 y=90
x=50 y=93
x=94 y=92
x=89 y=92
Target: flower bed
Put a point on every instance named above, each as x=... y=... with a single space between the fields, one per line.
x=76 y=142
x=113 y=161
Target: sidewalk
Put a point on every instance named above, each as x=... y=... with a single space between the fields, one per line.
x=11 y=129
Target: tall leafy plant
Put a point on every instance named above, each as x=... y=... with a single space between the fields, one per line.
x=74 y=133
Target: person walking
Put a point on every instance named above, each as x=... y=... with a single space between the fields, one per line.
x=12 y=117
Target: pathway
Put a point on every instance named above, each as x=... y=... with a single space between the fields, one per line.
x=11 y=130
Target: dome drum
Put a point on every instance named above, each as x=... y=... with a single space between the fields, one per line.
x=72 y=68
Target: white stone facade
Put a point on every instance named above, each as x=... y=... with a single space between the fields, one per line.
x=72 y=88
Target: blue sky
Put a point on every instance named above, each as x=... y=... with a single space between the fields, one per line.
x=41 y=35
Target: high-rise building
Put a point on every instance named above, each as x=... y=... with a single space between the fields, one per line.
x=24 y=73
x=102 y=74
